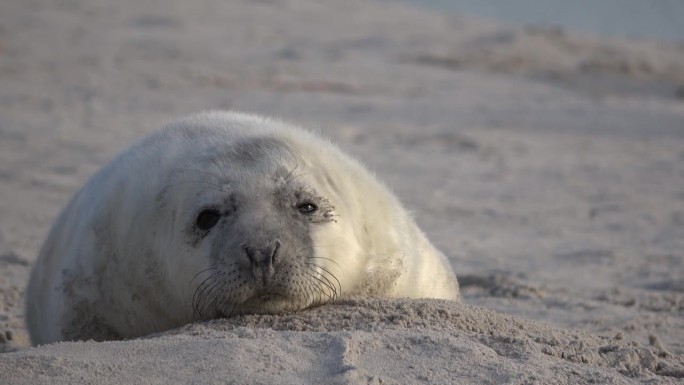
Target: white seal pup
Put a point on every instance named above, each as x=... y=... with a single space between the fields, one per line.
x=220 y=214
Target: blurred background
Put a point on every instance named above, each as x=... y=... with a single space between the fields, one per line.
x=657 y=19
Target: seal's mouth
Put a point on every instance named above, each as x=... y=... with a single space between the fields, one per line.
x=262 y=299
x=266 y=297
x=213 y=300
x=268 y=303
x=264 y=303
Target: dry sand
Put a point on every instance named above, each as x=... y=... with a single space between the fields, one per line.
x=372 y=341
x=549 y=166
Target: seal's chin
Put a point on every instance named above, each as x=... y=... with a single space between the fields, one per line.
x=269 y=303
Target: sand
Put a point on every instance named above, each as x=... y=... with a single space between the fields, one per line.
x=372 y=341
x=548 y=165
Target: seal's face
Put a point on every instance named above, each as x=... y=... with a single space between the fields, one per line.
x=257 y=234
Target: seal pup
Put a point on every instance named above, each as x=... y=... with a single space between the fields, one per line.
x=220 y=214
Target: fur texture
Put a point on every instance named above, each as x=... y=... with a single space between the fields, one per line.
x=221 y=214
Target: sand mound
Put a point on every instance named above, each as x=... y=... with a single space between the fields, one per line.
x=359 y=341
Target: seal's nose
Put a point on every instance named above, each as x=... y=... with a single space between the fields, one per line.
x=264 y=257
x=263 y=261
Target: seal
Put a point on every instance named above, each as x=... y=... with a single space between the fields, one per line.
x=220 y=214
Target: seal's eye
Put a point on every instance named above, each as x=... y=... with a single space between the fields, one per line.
x=207 y=219
x=307 y=208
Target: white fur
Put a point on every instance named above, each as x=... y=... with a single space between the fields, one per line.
x=113 y=258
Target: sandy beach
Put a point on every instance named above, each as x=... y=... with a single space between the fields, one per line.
x=548 y=165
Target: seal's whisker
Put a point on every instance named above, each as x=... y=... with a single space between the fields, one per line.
x=198 y=309
x=327 y=259
x=306 y=288
x=323 y=279
x=288 y=177
x=314 y=291
x=227 y=308
x=201 y=290
x=291 y=175
x=208 y=290
x=331 y=294
x=333 y=289
x=328 y=272
x=313 y=287
x=202 y=271
x=204 y=292
x=203 y=286
x=325 y=269
x=213 y=304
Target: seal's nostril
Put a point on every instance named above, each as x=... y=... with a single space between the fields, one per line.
x=250 y=255
x=274 y=254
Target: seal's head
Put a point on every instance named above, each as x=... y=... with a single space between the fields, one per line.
x=254 y=221
x=252 y=214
